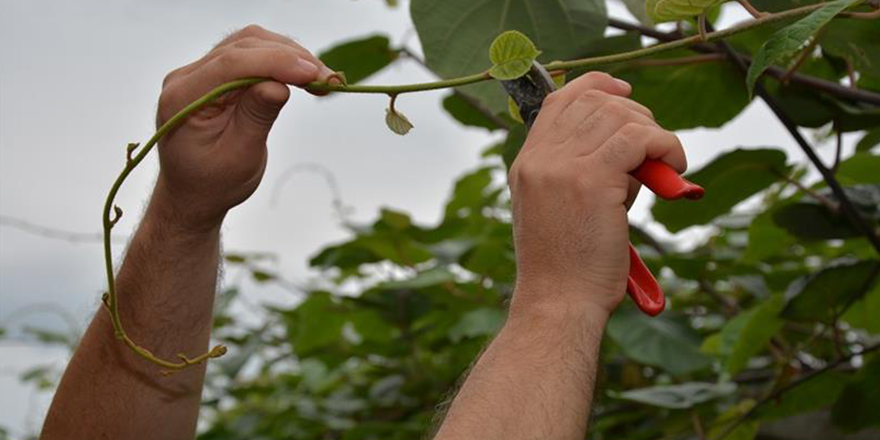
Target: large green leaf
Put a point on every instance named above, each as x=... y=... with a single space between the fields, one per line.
x=484 y=321
x=681 y=396
x=812 y=221
x=821 y=295
x=467 y=114
x=315 y=323
x=786 y=43
x=864 y=313
x=766 y=238
x=689 y=95
x=659 y=341
x=860 y=168
x=674 y=10
x=859 y=404
x=811 y=395
x=870 y=140
x=728 y=180
x=748 y=333
x=456 y=34
x=360 y=58
x=855 y=41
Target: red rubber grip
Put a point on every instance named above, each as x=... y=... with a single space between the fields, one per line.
x=660 y=178
x=642 y=287
x=665 y=182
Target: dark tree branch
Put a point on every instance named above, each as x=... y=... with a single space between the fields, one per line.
x=832 y=88
x=849 y=210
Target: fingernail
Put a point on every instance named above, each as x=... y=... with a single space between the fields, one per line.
x=624 y=84
x=330 y=76
x=307 y=66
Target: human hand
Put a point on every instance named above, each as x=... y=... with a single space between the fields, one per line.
x=571 y=187
x=216 y=158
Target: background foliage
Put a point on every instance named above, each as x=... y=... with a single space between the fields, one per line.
x=773 y=315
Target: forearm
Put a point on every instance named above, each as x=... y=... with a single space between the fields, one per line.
x=166 y=288
x=535 y=380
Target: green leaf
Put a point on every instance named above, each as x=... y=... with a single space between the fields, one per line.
x=659 y=341
x=455 y=34
x=673 y=10
x=682 y=396
x=638 y=10
x=870 y=140
x=728 y=180
x=360 y=58
x=766 y=238
x=467 y=114
x=397 y=122
x=51 y=337
x=748 y=333
x=811 y=221
x=315 y=324
x=480 y=322
x=864 y=312
x=855 y=41
x=679 y=95
x=469 y=193
x=786 y=43
x=432 y=277
x=821 y=295
x=511 y=55
x=857 y=407
x=859 y=168
x=262 y=276
x=813 y=394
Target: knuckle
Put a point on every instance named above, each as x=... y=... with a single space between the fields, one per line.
x=614 y=109
x=170 y=77
x=594 y=94
x=631 y=132
x=555 y=96
x=248 y=41
x=597 y=76
x=251 y=30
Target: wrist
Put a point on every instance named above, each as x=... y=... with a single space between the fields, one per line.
x=179 y=217
x=541 y=310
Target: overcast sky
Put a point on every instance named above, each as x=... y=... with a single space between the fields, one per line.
x=79 y=80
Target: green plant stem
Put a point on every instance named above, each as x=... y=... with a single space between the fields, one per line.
x=111 y=300
x=112 y=213
x=574 y=64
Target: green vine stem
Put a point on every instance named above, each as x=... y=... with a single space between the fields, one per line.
x=113 y=213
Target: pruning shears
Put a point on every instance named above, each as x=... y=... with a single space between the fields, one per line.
x=528 y=92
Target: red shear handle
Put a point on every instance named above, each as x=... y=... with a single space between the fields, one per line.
x=665 y=182
x=642 y=287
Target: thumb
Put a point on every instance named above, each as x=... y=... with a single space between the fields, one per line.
x=259 y=107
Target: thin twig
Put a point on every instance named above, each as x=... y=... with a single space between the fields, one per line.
x=698 y=425
x=475 y=103
x=53 y=233
x=680 y=61
x=838 y=148
x=829 y=204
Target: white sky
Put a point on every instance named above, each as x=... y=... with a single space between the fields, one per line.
x=79 y=80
